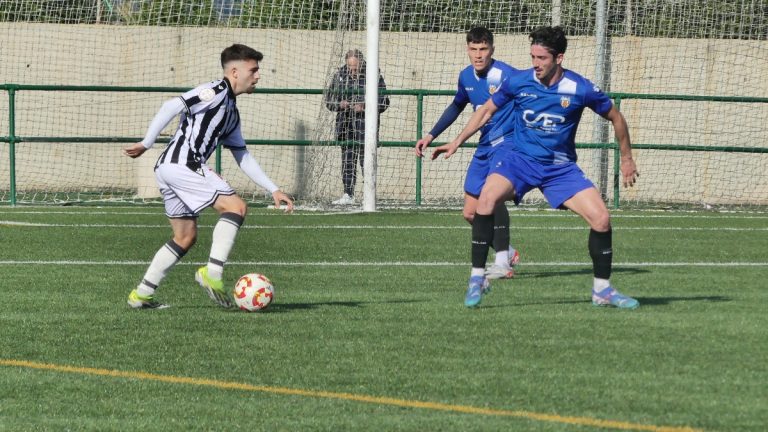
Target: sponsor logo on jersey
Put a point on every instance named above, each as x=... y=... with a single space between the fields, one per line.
x=565 y=101
x=531 y=95
x=543 y=121
x=469 y=89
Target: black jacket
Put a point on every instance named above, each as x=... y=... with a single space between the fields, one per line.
x=349 y=124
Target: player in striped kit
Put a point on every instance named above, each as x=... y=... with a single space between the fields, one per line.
x=209 y=117
x=549 y=101
x=477 y=82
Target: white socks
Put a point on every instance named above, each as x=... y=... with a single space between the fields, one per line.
x=224 y=234
x=502 y=258
x=165 y=258
x=600 y=284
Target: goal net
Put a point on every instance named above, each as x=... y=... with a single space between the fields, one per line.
x=688 y=76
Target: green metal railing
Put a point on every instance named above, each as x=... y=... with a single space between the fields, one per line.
x=12 y=139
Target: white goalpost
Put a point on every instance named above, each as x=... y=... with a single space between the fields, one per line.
x=371 y=100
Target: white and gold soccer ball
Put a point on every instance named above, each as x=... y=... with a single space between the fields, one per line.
x=253 y=292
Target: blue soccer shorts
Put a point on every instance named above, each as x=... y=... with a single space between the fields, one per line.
x=478 y=170
x=558 y=182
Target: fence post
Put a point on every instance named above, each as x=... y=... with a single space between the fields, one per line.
x=419 y=122
x=12 y=142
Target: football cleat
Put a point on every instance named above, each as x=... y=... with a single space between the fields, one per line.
x=137 y=301
x=611 y=297
x=478 y=286
x=344 y=200
x=514 y=258
x=213 y=287
x=499 y=272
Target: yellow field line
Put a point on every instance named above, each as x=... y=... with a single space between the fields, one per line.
x=580 y=421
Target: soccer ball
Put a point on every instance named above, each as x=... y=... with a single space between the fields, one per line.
x=253 y=292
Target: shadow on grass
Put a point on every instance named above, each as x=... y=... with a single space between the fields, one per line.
x=657 y=301
x=525 y=274
x=288 y=307
x=644 y=301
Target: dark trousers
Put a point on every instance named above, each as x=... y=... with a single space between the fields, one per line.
x=350 y=155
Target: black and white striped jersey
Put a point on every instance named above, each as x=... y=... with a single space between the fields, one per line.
x=210 y=117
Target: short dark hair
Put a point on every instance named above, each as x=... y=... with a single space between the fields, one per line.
x=239 y=52
x=480 y=35
x=356 y=53
x=551 y=38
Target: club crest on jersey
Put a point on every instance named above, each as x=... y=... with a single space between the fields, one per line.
x=492 y=89
x=565 y=101
x=207 y=94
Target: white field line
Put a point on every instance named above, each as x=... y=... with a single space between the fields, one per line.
x=374 y=227
x=385 y=263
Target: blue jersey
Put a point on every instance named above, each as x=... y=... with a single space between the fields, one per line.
x=476 y=90
x=546 y=118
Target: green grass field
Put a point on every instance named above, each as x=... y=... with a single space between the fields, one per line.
x=368 y=331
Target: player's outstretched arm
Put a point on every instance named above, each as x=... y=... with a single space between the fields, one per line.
x=628 y=168
x=170 y=109
x=449 y=116
x=251 y=168
x=478 y=120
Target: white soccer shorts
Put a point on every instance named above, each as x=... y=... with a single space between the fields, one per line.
x=185 y=192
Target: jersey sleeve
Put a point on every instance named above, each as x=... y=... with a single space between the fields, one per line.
x=595 y=99
x=202 y=98
x=461 y=99
x=235 y=138
x=505 y=92
x=170 y=109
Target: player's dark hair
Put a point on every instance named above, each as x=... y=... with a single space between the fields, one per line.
x=480 y=35
x=239 y=52
x=551 y=38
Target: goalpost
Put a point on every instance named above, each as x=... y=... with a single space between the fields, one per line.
x=688 y=75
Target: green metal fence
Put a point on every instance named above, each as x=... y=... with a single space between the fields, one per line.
x=420 y=94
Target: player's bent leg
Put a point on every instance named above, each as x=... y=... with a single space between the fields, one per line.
x=470 y=207
x=590 y=206
x=497 y=189
x=502 y=267
x=184 y=235
x=232 y=210
x=184 y=231
x=230 y=204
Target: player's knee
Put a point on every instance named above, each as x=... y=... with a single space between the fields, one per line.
x=186 y=240
x=232 y=204
x=601 y=222
x=486 y=204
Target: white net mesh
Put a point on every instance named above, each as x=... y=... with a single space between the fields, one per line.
x=689 y=152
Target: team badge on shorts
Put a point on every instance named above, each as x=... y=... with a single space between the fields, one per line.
x=565 y=101
x=207 y=94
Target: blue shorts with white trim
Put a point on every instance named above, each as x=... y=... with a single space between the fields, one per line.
x=558 y=182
